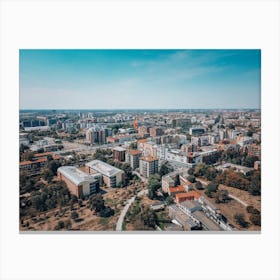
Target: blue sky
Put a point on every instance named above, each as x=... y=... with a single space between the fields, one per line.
x=139 y=79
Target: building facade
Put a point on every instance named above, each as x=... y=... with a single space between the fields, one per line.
x=132 y=157
x=78 y=182
x=148 y=166
x=112 y=176
x=119 y=154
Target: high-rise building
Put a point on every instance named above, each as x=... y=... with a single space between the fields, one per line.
x=197 y=130
x=119 y=154
x=98 y=134
x=112 y=176
x=156 y=131
x=132 y=158
x=148 y=166
x=143 y=131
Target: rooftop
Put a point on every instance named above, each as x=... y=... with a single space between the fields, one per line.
x=149 y=158
x=142 y=141
x=134 y=152
x=176 y=189
x=193 y=194
x=75 y=175
x=103 y=168
x=209 y=224
x=119 y=149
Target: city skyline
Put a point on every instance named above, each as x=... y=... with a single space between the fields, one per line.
x=139 y=79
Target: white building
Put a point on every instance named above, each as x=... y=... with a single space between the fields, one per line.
x=112 y=176
x=148 y=166
x=78 y=182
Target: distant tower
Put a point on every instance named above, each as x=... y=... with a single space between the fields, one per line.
x=135 y=124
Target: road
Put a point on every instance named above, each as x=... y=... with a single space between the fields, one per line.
x=237 y=199
x=125 y=209
x=130 y=201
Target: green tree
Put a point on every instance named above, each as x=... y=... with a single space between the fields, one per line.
x=191 y=171
x=199 y=186
x=133 y=146
x=97 y=203
x=239 y=218
x=165 y=169
x=23 y=148
x=154 y=184
x=222 y=196
x=74 y=215
x=169 y=200
x=191 y=178
x=60 y=225
x=255 y=219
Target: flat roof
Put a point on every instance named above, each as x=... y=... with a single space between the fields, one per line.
x=190 y=204
x=104 y=168
x=188 y=194
x=75 y=175
x=120 y=149
x=134 y=152
x=177 y=189
x=149 y=158
x=209 y=224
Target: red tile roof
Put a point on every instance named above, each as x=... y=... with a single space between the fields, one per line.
x=142 y=141
x=134 y=152
x=190 y=194
x=43 y=154
x=177 y=189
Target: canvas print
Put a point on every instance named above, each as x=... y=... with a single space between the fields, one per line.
x=140 y=140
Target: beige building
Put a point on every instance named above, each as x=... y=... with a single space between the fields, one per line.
x=132 y=158
x=78 y=182
x=156 y=131
x=148 y=166
x=112 y=176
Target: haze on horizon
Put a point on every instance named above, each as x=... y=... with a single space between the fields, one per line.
x=140 y=79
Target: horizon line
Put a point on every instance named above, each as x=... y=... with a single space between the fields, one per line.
x=77 y=109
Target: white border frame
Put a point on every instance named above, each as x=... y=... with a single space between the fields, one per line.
x=155 y=24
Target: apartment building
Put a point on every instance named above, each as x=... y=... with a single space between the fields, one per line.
x=78 y=182
x=112 y=176
x=132 y=157
x=148 y=166
x=119 y=154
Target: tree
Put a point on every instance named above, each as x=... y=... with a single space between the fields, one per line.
x=169 y=200
x=74 y=215
x=40 y=150
x=133 y=146
x=250 y=160
x=177 y=180
x=222 y=196
x=255 y=219
x=23 y=148
x=191 y=178
x=255 y=185
x=191 y=171
x=153 y=185
x=148 y=217
x=107 y=212
x=60 y=225
x=97 y=203
x=250 y=209
x=210 y=189
x=239 y=218
x=231 y=126
x=199 y=186
x=165 y=169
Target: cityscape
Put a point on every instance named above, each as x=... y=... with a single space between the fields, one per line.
x=157 y=155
